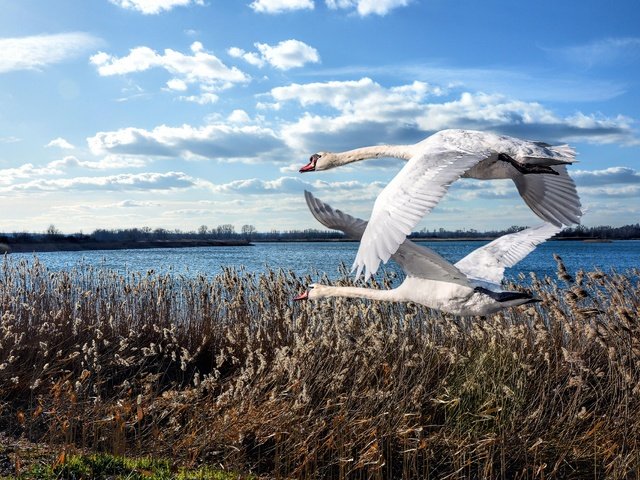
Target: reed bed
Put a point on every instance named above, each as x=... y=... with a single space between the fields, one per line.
x=228 y=371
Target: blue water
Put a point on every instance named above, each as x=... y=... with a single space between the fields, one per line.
x=320 y=258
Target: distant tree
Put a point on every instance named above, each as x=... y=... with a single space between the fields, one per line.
x=203 y=230
x=248 y=231
x=225 y=231
x=53 y=232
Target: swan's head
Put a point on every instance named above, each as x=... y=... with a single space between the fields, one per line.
x=313 y=292
x=317 y=162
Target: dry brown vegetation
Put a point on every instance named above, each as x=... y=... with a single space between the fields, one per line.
x=228 y=371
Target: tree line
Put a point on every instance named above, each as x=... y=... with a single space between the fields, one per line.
x=250 y=233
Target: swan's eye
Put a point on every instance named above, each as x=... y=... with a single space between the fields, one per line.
x=314 y=158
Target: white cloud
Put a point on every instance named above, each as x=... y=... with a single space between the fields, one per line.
x=60 y=143
x=9 y=176
x=288 y=185
x=200 y=68
x=288 y=54
x=121 y=182
x=250 y=57
x=368 y=7
x=614 y=191
x=283 y=56
x=210 y=141
x=205 y=98
x=177 y=84
x=279 y=6
x=110 y=162
x=607 y=176
x=368 y=113
x=239 y=116
x=353 y=95
x=151 y=7
x=38 y=51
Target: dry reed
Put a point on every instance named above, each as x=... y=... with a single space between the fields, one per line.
x=228 y=371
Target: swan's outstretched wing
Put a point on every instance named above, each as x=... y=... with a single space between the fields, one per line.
x=488 y=263
x=553 y=198
x=412 y=193
x=335 y=219
x=415 y=260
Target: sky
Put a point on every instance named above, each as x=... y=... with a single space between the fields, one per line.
x=181 y=113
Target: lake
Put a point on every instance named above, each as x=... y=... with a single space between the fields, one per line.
x=318 y=258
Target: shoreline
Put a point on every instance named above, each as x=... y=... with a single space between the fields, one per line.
x=53 y=246
x=76 y=246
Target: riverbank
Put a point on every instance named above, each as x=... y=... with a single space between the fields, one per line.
x=228 y=372
x=73 y=246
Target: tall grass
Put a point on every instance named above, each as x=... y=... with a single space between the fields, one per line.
x=228 y=371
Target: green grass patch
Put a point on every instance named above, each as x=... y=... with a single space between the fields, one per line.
x=105 y=466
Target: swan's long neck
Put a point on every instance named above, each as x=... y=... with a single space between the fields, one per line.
x=377 y=151
x=358 y=292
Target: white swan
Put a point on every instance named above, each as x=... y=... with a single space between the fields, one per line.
x=537 y=169
x=470 y=287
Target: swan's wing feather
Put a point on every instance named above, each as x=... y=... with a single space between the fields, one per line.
x=540 y=153
x=335 y=219
x=412 y=193
x=415 y=260
x=553 y=198
x=487 y=263
x=422 y=262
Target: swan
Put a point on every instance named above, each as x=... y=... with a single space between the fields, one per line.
x=470 y=287
x=537 y=169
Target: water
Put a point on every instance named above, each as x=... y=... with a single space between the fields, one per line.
x=325 y=257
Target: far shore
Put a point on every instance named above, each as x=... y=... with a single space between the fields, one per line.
x=72 y=246
x=69 y=246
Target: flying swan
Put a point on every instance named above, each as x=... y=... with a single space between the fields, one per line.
x=538 y=170
x=470 y=287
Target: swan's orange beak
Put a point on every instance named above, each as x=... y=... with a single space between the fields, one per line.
x=303 y=296
x=309 y=167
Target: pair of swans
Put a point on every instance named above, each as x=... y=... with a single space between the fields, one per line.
x=538 y=171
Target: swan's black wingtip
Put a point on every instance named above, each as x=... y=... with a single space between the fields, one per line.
x=504 y=297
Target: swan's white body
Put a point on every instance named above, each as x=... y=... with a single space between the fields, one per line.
x=470 y=287
x=537 y=169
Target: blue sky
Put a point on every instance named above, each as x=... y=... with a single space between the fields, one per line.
x=181 y=113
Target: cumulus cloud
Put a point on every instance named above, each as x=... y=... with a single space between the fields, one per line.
x=614 y=191
x=280 y=6
x=152 y=7
x=210 y=141
x=607 y=176
x=201 y=67
x=38 y=51
x=122 y=182
x=59 y=167
x=109 y=162
x=283 y=56
x=295 y=185
x=25 y=171
x=250 y=57
x=206 y=98
x=368 y=113
x=368 y=7
x=288 y=54
x=60 y=143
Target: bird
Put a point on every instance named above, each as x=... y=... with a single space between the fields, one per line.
x=537 y=169
x=471 y=287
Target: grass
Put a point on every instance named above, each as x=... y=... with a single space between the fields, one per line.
x=227 y=371
x=105 y=466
